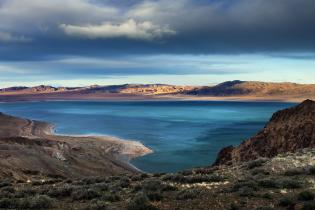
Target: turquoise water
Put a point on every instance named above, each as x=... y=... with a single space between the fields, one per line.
x=183 y=134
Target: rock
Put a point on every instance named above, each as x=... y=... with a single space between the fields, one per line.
x=288 y=130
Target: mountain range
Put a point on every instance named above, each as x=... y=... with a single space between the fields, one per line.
x=231 y=90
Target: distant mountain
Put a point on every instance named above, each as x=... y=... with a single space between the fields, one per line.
x=237 y=89
x=252 y=88
x=146 y=89
x=288 y=130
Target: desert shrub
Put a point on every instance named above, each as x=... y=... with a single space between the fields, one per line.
x=187 y=194
x=187 y=172
x=167 y=187
x=286 y=201
x=92 y=180
x=82 y=194
x=68 y=181
x=246 y=191
x=5 y=184
x=250 y=183
x=36 y=202
x=144 y=176
x=234 y=207
x=155 y=196
x=198 y=178
x=41 y=202
x=97 y=205
x=111 y=197
x=267 y=195
x=136 y=178
x=257 y=171
x=311 y=170
x=37 y=183
x=215 y=178
x=309 y=206
x=174 y=177
x=158 y=174
x=8 y=189
x=265 y=208
x=101 y=186
x=140 y=202
x=294 y=172
x=152 y=185
x=6 y=203
x=291 y=184
x=268 y=183
x=28 y=191
x=305 y=196
x=204 y=171
x=124 y=182
x=64 y=191
x=256 y=163
x=137 y=187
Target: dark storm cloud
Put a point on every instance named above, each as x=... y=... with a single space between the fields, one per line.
x=96 y=28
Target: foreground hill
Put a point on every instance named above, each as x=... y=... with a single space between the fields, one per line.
x=287 y=131
x=282 y=182
x=232 y=90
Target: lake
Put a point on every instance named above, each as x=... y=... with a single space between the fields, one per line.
x=183 y=134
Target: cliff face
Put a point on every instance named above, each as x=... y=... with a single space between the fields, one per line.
x=287 y=131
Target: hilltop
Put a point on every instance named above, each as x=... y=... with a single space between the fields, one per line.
x=231 y=90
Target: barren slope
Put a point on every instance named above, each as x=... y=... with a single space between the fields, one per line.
x=28 y=149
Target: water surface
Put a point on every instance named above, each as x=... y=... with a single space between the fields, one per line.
x=183 y=134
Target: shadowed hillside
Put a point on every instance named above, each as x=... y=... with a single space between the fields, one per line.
x=287 y=131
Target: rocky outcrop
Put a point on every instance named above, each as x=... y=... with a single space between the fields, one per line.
x=288 y=130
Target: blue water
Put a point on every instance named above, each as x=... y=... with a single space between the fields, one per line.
x=183 y=134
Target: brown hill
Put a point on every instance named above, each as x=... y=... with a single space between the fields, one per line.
x=287 y=131
x=29 y=150
x=232 y=90
x=252 y=88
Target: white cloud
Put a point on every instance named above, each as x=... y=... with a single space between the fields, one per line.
x=9 y=38
x=36 y=16
x=131 y=29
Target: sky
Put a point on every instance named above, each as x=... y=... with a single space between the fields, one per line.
x=183 y=42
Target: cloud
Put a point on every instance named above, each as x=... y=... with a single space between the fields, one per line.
x=118 y=28
x=9 y=38
x=129 y=29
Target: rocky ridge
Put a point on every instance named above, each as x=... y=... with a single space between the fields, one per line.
x=287 y=131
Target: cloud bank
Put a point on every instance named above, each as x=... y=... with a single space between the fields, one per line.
x=129 y=29
x=6 y=37
x=182 y=27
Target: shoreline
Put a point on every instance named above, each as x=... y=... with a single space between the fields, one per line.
x=161 y=98
x=33 y=145
x=130 y=149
